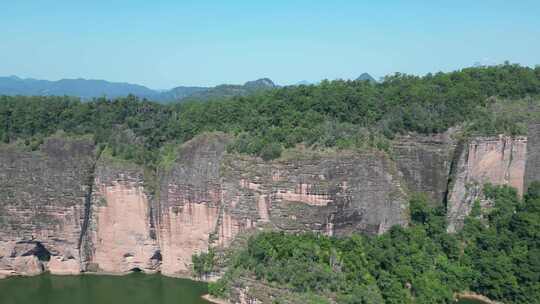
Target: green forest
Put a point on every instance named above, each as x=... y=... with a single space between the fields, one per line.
x=497 y=254
x=333 y=114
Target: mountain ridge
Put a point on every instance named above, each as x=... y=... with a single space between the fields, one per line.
x=366 y=77
x=87 y=89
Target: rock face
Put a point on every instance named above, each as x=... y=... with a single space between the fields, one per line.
x=496 y=160
x=42 y=206
x=208 y=196
x=69 y=209
x=121 y=236
x=532 y=172
x=331 y=194
x=189 y=204
x=425 y=162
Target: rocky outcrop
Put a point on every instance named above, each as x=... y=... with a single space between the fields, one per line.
x=496 y=160
x=68 y=208
x=209 y=196
x=425 y=163
x=121 y=235
x=334 y=194
x=190 y=202
x=532 y=171
x=42 y=206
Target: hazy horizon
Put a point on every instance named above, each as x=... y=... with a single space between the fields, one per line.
x=167 y=43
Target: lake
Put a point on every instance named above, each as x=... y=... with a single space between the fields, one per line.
x=134 y=288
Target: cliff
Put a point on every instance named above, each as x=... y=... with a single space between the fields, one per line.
x=69 y=208
x=121 y=233
x=42 y=206
x=496 y=160
x=208 y=197
x=425 y=163
x=532 y=172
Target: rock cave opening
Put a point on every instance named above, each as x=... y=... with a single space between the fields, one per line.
x=157 y=256
x=40 y=252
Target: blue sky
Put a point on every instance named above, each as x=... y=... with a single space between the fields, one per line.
x=166 y=43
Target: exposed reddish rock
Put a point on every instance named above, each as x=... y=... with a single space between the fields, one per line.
x=496 y=160
x=532 y=172
x=67 y=209
x=123 y=239
x=64 y=266
x=425 y=162
x=120 y=233
x=27 y=265
x=42 y=201
x=183 y=232
x=189 y=206
x=334 y=194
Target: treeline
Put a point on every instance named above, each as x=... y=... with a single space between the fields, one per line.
x=497 y=254
x=343 y=114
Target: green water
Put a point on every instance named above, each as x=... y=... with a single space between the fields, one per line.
x=92 y=289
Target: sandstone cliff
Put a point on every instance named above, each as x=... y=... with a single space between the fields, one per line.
x=121 y=234
x=68 y=208
x=532 y=172
x=496 y=160
x=425 y=162
x=42 y=206
x=190 y=202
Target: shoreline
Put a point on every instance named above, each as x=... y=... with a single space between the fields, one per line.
x=211 y=299
x=4 y=275
x=475 y=296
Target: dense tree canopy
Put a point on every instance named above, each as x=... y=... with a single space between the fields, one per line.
x=497 y=254
x=344 y=114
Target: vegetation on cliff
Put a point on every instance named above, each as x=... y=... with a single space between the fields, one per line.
x=342 y=114
x=497 y=254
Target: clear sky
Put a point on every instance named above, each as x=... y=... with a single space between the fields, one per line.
x=166 y=43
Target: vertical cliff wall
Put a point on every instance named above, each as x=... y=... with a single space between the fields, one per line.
x=189 y=202
x=334 y=194
x=121 y=235
x=208 y=197
x=67 y=209
x=496 y=160
x=532 y=171
x=425 y=163
x=42 y=206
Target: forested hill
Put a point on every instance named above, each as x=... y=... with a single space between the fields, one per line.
x=87 y=89
x=340 y=114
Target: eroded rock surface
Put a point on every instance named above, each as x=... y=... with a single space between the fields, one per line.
x=190 y=200
x=496 y=160
x=42 y=199
x=425 y=162
x=67 y=208
x=532 y=172
x=333 y=194
x=121 y=233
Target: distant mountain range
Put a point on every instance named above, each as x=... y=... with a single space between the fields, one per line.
x=88 y=89
x=303 y=82
x=230 y=90
x=366 y=77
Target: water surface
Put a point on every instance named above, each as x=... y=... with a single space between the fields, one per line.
x=135 y=288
